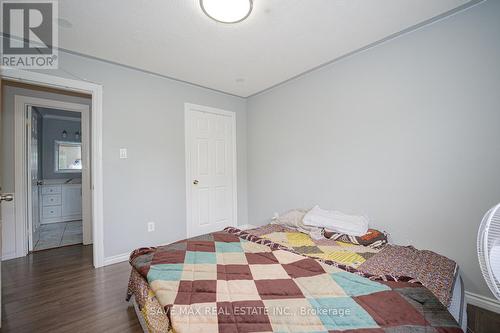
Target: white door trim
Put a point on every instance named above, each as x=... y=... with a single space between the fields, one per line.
x=96 y=186
x=27 y=128
x=188 y=107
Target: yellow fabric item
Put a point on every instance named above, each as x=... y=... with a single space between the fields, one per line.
x=343 y=257
x=340 y=252
x=297 y=239
x=343 y=244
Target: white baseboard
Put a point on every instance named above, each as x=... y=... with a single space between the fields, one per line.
x=482 y=301
x=246 y=226
x=8 y=256
x=116 y=259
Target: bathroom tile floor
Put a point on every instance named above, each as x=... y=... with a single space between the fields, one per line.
x=59 y=234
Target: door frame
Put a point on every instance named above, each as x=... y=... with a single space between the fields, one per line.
x=188 y=108
x=23 y=150
x=29 y=182
x=96 y=176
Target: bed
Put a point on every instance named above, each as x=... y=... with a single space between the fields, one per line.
x=443 y=278
x=237 y=281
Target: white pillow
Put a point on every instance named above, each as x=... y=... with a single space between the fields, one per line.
x=292 y=218
x=336 y=221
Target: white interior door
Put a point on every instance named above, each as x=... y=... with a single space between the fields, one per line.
x=210 y=149
x=34 y=176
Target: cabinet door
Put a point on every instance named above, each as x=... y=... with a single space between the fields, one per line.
x=71 y=200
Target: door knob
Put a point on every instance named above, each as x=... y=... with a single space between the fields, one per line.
x=6 y=197
x=195 y=181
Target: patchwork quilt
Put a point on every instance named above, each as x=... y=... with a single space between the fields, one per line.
x=434 y=271
x=233 y=281
x=343 y=253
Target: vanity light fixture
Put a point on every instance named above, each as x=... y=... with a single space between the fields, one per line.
x=64 y=134
x=227 y=11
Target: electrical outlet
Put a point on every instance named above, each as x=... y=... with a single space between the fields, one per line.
x=123 y=152
x=151 y=226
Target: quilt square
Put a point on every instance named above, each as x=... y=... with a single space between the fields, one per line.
x=179 y=246
x=144 y=259
x=308 y=249
x=342 y=313
x=355 y=285
x=296 y=239
x=193 y=272
x=201 y=246
x=293 y=315
x=330 y=268
x=200 y=258
x=205 y=237
x=278 y=289
x=388 y=309
x=234 y=272
x=170 y=257
x=225 y=237
x=251 y=247
x=277 y=237
x=287 y=257
x=261 y=258
x=303 y=268
x=319 y=286
x=191 y=292
x=343 y=257
x=167 y=272
x=244 y=316
x=268 y=272
x=196 y=318
x=235 y=258
x=221 y=247
x=165 y=291
x=236 y=290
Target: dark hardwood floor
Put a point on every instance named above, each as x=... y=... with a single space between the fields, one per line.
x=58 y=290
x=482 y=321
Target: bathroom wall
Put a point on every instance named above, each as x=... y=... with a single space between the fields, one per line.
x=52 y=132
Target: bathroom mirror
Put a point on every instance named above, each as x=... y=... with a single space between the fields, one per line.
x=68 y=157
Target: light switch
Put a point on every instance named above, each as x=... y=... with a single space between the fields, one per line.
x=123 y=152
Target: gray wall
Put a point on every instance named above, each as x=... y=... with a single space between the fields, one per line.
x=407 y=132
x=145 y=113
x=52 y=129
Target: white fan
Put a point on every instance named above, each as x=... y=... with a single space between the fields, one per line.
x=488 y=249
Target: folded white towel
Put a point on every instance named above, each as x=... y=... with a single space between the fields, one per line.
x=337 y=221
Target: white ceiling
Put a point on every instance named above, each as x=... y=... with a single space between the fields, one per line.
x=280 y=39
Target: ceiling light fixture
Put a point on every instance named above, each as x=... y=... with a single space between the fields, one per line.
x=227 y=11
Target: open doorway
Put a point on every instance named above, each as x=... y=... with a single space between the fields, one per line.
x=55 y=163
x=52 y=165
x=47 y=142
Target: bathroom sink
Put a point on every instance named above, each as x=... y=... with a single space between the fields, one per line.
x=74 y=181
